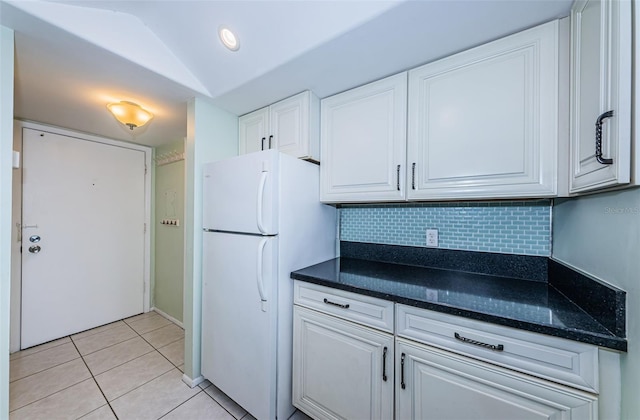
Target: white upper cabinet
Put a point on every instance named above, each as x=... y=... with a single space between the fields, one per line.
x=291 y=126
x=484 y=123
x=363 y=133
x=253 y=130
x=601 y=52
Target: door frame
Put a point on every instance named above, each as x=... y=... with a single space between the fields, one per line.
x=16 y=269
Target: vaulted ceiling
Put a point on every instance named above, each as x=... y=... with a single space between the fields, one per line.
x=74 y=57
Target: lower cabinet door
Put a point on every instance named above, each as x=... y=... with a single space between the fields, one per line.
x=341 y=370
x=436 y=384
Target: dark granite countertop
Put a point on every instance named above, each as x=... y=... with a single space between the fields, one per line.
x=525 y=304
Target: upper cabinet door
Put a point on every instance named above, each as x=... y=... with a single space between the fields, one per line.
x=295 y=125
x=291 y=126
x=363 y=134
x=601 y=48
x=253 y=131
x=484 y=123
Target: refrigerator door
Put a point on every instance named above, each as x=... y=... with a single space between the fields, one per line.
x=240 y=194
x=239 y=312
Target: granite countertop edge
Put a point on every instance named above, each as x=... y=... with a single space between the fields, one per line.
x=594 y=338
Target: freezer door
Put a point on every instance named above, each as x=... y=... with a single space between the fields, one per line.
x=240 y=194
x=239 y=315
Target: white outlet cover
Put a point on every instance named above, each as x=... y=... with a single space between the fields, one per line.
x=432 y=238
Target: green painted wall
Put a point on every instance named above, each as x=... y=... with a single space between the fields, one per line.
x=169 y=240
x=6 y=143
x=600 y=235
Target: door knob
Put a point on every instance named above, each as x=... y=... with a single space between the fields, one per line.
x=34 y=249
x=34 y=238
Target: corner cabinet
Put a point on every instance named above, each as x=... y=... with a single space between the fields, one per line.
x=601 y=69
x=291 y=126
x=363 y=134
x=484 y=123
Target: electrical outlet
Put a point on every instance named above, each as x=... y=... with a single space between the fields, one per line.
x=432 y=294
x=432 y=238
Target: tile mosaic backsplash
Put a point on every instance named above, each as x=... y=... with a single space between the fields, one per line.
x=512 y=227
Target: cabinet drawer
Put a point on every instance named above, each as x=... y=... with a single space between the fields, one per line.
x=365 y=310
x=556 y=359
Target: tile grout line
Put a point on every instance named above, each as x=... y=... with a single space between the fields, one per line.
x=174 y=367
x=155 y=329
x=141 y=385
x=92 y=376
x=156 y=349
x=40 y=351
x=223 y=407
x=96 y=382
x=124 y=363
x=110 y=345
x=46 y=369
x=60 y=390
x=181 y=404
x=97 y=332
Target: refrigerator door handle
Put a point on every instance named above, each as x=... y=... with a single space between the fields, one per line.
x=259 y=277
x=263 y=183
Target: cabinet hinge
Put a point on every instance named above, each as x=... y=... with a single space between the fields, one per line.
x=144 y=230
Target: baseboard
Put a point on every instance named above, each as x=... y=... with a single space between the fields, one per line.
x=192 y=383
x=169 y=317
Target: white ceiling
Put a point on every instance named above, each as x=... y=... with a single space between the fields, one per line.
x=74 y=57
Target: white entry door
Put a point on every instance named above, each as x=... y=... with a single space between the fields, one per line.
x=83 y=235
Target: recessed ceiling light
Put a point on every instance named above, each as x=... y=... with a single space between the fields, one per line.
x=228 y=38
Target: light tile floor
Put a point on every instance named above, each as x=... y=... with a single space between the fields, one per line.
x=130 y=369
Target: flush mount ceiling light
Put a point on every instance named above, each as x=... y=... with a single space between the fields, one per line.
x=228 y=38
x=130 y=114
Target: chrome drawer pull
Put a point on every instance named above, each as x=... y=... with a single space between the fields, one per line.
x=340 y=305
x=499 y=347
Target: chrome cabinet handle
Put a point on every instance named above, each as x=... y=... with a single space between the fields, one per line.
x=402 y=384
x=599 y=121
x=498 y=347
x=398 y=177
x=384 y=364
x=340 y=305
x=34 y=249
x=262 y=143
x=270 y=138
x=413 y=176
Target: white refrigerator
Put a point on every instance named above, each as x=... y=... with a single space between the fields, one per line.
x=262 y=219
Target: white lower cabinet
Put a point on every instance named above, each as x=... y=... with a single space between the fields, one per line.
x=341 y=370
x=437 y=384
x=348 y=364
